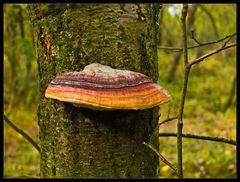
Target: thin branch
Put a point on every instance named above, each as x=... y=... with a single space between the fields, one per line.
x=225 y=43
x=163 y=159
x=201 y=137
x=184 y=90
x=211 y=53
x=25 y=135
x=167 y=120
x=175 y=49
x=178 y=49
x=194 y=38
x=233 y=90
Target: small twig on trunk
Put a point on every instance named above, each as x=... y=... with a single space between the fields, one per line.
x=163 y=159
x=167 y=120
x=25 y=135
x=201 y=137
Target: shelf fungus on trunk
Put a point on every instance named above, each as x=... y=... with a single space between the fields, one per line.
x=101 y=87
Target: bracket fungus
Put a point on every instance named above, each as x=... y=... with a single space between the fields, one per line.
x=101 y=87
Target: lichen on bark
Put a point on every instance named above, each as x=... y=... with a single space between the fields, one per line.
x=78 y=142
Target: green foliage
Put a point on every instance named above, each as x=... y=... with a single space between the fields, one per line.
x=20 y=92
x=20 y=63
x=208 y=89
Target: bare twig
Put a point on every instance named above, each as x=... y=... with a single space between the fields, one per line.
x=229 y=100
x=194 y=38
x=163 y=159
x=178 y=49
x=184 y=90
x=174 y=49
x=25 y=135
x=225 y=43
x=211 y=53
x=201 y=137
x=167 y=120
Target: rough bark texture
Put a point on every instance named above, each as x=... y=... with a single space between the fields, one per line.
x=78 y=142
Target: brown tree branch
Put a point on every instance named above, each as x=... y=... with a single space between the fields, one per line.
x=25 y=135
x=167 y=120
x=201 y=137
x=178 y=49
x=211 y=53
x=163 y=159
x=194 y=38
x=184 y=90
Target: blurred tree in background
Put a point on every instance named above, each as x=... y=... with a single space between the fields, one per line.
x=210 y=104
x=20 y=91
x=19 y=57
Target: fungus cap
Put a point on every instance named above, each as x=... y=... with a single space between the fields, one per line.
x=101 y=87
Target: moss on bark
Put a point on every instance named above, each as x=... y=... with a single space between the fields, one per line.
x=77 y=142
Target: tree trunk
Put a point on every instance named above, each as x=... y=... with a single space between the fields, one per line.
x=11 y=28
x=78 y=142
x=177 y=57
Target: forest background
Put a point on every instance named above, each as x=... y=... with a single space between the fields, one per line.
x=210 y=107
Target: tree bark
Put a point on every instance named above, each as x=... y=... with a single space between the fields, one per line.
x=78 y=142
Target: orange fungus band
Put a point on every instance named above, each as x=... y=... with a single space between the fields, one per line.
x=101 y=87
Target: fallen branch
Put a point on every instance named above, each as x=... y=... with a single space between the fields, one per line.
x=163 y=159
x=201 y=137
x=25 y=135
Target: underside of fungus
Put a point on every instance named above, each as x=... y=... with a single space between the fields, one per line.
x=101 y=87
